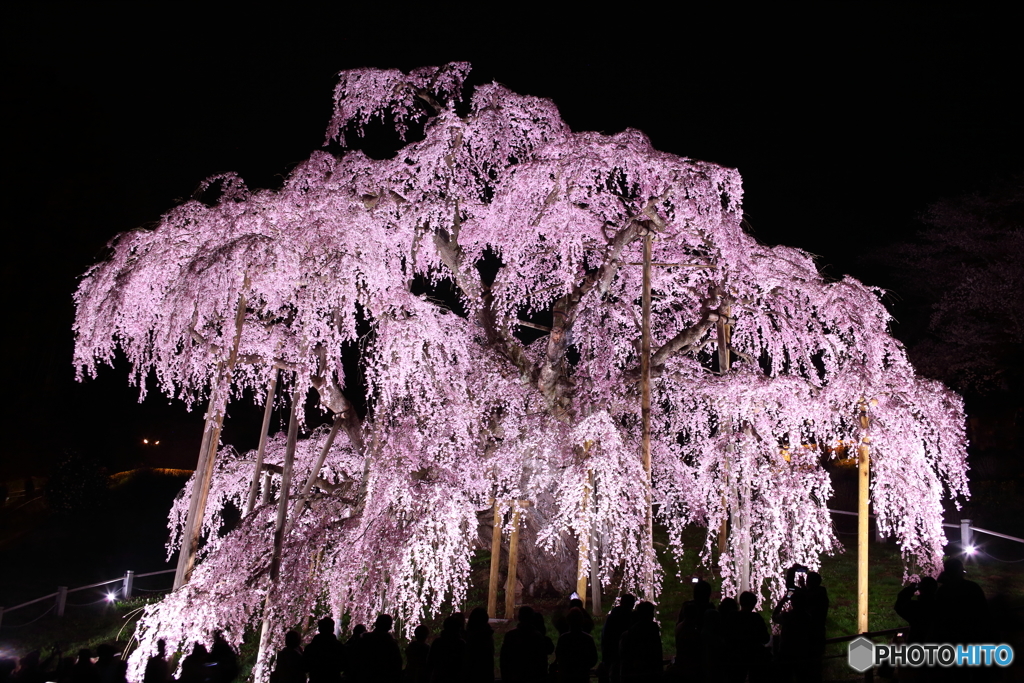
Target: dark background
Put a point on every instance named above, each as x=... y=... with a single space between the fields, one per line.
x=845 y=120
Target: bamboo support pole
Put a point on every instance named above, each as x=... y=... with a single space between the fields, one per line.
x=864 y=494
x=513 y=561
x=645 y=406
x=492 y=584
x=268 y=409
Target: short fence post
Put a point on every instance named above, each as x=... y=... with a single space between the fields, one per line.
x=129 y=579
x=965 y=535
x=1 y=615
x=62 y=598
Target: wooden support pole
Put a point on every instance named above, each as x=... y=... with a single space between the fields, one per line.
x=583 y=550
x=492 y=584
x=314 y=473
x=595 y=580
x=263 y=653
x=62 y=599
x=513 y=561
x=724 y=330
x=268 y=482
x=208 y=452
x=645 y=407
x=864 y=496
x=268 y=409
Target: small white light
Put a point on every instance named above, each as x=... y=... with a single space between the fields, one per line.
x=145 y=441
x=971 y=550
x=111 y=597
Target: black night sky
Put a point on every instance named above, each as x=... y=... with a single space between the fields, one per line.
x=845 y=121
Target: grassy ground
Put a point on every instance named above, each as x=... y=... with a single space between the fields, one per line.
x=87 y=627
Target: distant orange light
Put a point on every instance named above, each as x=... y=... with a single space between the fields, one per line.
x=156 y=443
x=145 y=441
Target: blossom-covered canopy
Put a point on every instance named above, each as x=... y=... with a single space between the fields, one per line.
x=487 y=276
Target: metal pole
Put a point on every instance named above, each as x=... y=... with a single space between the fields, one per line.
x=864 y=494
x=127 y=584
x=645 y=404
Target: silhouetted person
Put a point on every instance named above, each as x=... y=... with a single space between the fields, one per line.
x=354 y=654
x=919 y=613
x=157 y=670
x=729 y=610
x=324 y=656
x=689 y=654
x=560 y=619
x=289 y=666
x=223 y=660
x=85 y=671
x=193 y=669
x=544 y=668
x=712 y=646
x=65 y=667
x=479 y=648
x=960 y=608
x=817 y=604
x=620 y=618
x=110 y=667
x=795 y=647
x=416 y=654
x=640 y=648
x=523 y=658
x=447 y=660
x=7 y=664
x=750 y=637
x=382 y=659
x=576 y=652
x=29 y=670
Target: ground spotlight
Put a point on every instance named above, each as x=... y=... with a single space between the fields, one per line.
x=111 y=597
x=970 y=550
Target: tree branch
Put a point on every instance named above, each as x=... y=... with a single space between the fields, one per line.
x=501 y=340
x=334 y=398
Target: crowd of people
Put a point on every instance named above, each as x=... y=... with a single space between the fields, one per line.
x=729 y=642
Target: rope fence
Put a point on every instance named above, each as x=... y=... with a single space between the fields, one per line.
x=125 y=592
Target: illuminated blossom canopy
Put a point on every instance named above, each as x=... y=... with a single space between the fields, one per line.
x=487 y=279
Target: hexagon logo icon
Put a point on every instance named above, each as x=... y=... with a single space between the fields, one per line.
x=861 y=654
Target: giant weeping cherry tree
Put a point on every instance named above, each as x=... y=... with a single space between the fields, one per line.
x=488 y=278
